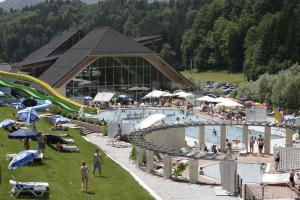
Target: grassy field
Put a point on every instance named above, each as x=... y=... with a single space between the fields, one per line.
x=221 y=76
x=62 y=170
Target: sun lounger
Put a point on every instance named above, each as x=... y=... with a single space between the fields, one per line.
x=36 y=189
x=67 y=148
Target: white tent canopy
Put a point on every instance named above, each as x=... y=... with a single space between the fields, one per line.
x=208 y=99
x=150 y=120
x=228 y=103
x=167 y=94
x=183 y=94
x=137 y=88
x=155 y=94
x=104 y=96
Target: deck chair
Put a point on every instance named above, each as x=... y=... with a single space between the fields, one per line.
x=67 y=148
x=36 y=189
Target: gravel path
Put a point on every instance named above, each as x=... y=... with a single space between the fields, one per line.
x=160 y=188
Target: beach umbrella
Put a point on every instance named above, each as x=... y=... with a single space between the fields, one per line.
x=22 y=133
x=23 y=158
x=28 y=115
x=7 y=122
x=62 y=120
x=18 y=106
x=289 y=117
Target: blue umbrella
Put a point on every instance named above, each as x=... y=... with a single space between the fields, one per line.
x=23 y=158
x=7 y=122
x=22 y=133
x=289 y=117
x=28 y=115
x=61 y=120
x=18 y=106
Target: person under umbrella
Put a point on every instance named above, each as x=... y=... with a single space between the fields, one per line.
x=29 y=115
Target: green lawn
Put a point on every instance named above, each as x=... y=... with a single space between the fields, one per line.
x=62 y=170
x=219 y=76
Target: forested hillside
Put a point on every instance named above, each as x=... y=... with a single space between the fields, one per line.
x=255 y=35
x=261 y=35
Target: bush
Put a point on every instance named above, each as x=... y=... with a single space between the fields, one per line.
x=104 y=130
x=179 y=169
x=132 y=153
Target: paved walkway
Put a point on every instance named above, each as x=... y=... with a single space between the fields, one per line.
x=164 y=189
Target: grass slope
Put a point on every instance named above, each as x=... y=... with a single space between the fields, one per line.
x=218 y=76
x=62 y=170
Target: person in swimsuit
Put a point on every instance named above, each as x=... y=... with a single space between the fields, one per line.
x=292 y=177
x=251 y=144
x=97 y=162
x=84 y=171
x=214 y=132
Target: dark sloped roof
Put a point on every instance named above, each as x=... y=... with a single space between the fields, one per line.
x=47 y=49
x=100 y=41
x=40 y=60
x=115 y=43
x=146 y=38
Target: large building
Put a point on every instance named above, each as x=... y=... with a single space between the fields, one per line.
x=76 y=64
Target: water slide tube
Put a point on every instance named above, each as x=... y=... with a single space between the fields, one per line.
x=41 y=84
x=36 y=94
x=44 y=106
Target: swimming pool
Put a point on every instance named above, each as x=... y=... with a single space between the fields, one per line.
x=137 y=114
x=249 y=172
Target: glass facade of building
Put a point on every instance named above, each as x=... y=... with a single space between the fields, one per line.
x=118 y=74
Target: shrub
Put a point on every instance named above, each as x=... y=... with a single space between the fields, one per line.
x=132 y=153
x=179 y=169
x=104 y=130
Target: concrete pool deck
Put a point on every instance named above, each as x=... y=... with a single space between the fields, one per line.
x=165 y=189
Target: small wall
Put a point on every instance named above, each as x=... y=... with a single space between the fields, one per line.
x=171 y=137
x=92 y=127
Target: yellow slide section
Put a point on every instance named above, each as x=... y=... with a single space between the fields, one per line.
x=40 y=83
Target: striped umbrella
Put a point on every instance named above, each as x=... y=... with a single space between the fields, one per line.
x=18 y=106
x=23 y=158
x=7 y=122
x=28 y=115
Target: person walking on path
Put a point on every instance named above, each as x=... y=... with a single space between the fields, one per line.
x=292 y=177
x=84 y=171
x=251 y=144
x=97 y=162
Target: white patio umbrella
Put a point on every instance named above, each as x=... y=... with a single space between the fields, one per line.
x=155 y=94
x=183 y=94
x=231 y=104
x=150 y=120
x=208 y=99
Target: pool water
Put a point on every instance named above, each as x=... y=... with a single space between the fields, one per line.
x=138 y=114
x=249 y=172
